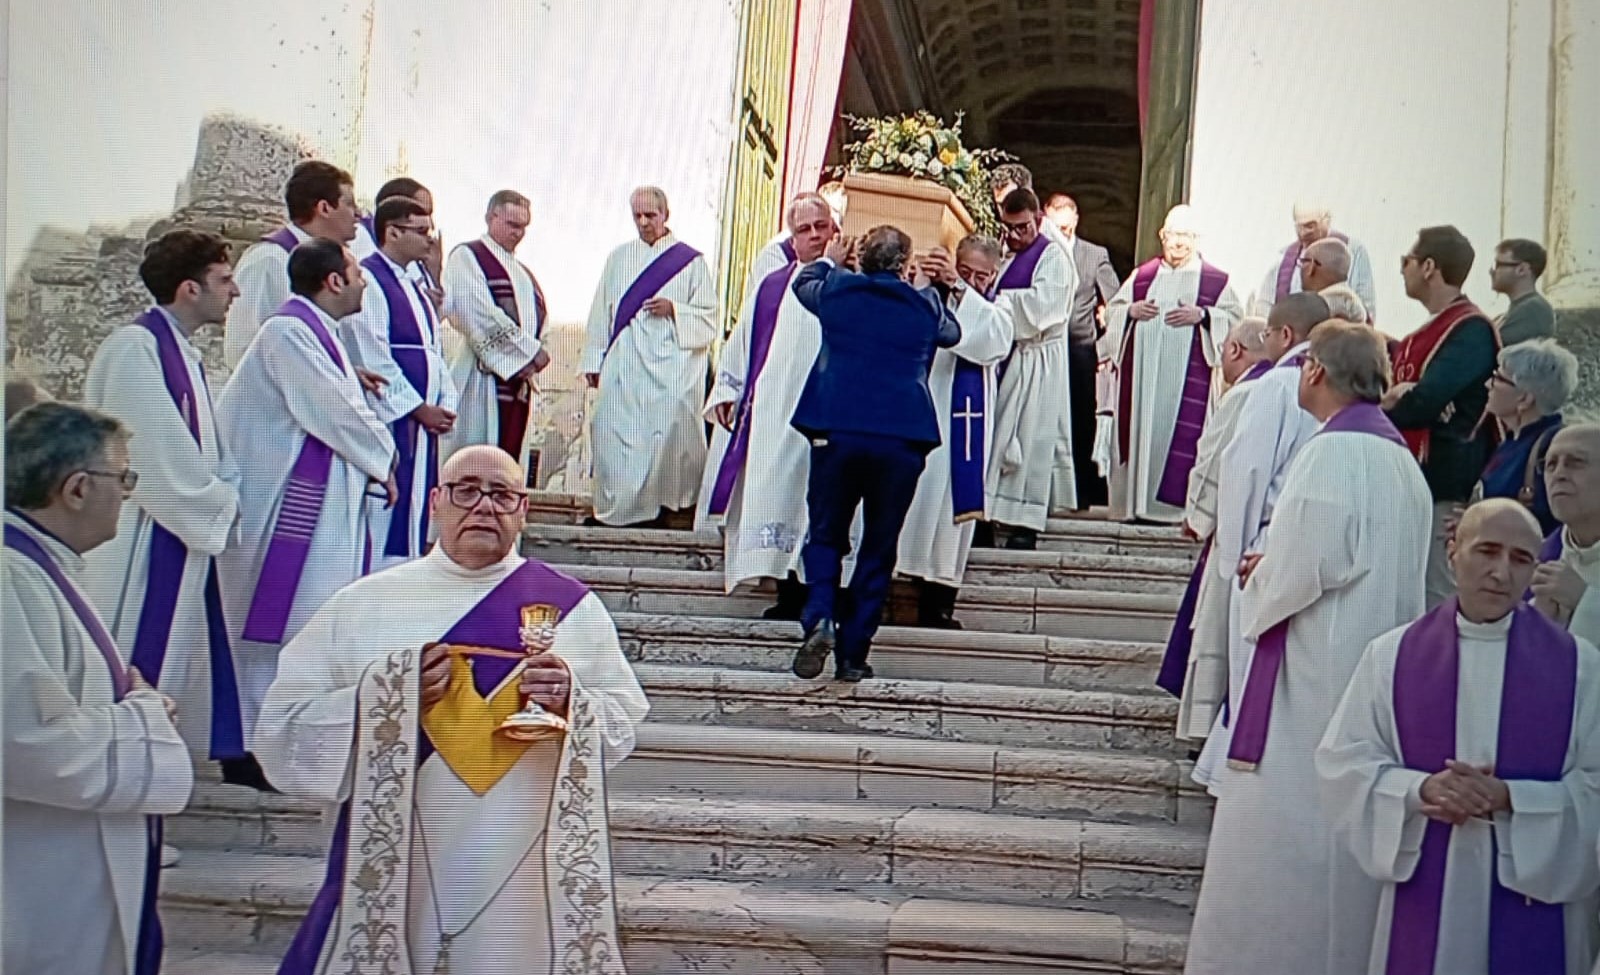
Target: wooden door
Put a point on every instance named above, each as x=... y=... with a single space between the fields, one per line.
x=1164 y=177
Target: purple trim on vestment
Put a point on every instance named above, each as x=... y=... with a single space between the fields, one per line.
x=1175 y=662
x=763 y=324
x=298 y=512
x=968 y=447
x=306 y=948
x=501 y=288
x=787 y=246
x=649 y=282
x=1291 y=259
x=1539 y=690
x=1256 y=371
x=408 y=344
x=165 y=567
x=1195 y=402
x=1364 y=418
x=283 y=237
x=1018 y=275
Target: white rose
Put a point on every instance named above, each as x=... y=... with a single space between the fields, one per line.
x=920 y=159
x=935 y=168
x=925 y=141
x=906 y=160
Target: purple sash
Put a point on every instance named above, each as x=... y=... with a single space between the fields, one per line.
x=298 y=512
x=1018 y=275
x=371 y=223
x=787 y=246
x=1291 y=260
x=968 y=449
x=164 y=577
x=1249 y=739
x=763 y=323
x=502 y=290
x=1258 y=370
x=494 y=621
x=1175 y=663
x=1553 y=546
x=148 y=946
x=1526 y=937
x=409 y=345
x=649 y=282
x=283 y=237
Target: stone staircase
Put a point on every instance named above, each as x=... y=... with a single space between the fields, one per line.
x=1005 y=799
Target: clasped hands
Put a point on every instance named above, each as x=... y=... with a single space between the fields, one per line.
x=1462 y=792
x=545 y=678
x=1182 y=316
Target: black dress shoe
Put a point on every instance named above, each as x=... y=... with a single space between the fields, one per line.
x=853 y=675
x=1023 y=540
x=940 y=623
x=813 y=653
x=783 y=612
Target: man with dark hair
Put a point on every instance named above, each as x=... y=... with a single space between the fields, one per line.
x=156 y=583
x=396 y=334
x=321 y=201
x=92 y=757
x=312 y=457
x=1007 y=178
x=1515 y=273
x=367 y=240
x=870 y=417
x=1441 y=374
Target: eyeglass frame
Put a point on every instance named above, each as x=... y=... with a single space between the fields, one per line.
x=449 y=488
x=128 y=478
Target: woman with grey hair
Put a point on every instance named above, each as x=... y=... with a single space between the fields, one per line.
x=1530 y=385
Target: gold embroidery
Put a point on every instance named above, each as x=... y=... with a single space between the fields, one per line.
x=585 y=877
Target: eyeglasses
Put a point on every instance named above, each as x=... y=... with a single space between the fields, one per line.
x=1500 y=377
x=1309 y=262
x=129 y=479
x=1509 y=263
x=1018 y=229
x=501 y=500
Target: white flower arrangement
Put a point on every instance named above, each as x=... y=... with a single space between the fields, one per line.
x=922 y=146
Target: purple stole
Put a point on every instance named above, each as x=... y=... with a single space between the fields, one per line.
x=148 y=947
x=502 y=290
x=648 y=284
x=168 y=557
x=298 y=512
x=1553 y=546
x=1291 y=260
x=1526 y=937
x=494 y=621
x=1255 y=705
x=1180 y=643
x=283 y=237
x=1191 y=419
x=409 y=345
x=763 y=324
x=787 y=246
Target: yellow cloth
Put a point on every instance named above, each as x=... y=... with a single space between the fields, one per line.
x=462 y=727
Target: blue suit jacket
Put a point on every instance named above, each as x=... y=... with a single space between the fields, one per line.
x=878 y=339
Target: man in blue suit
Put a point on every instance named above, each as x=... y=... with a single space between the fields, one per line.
x=871 y=421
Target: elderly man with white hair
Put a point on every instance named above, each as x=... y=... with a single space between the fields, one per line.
x=1163 y=332
x=1530 y=385
x=1345 y=305
x=1566 y=586
x=1313 y=223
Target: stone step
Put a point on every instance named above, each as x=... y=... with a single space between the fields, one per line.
x=771 y=704
x=839 y=843
x=189 y=962
x=909 y=653
x=703 y=551
x=1004 y=609
x=220 y=901
x=1089 y=532
x=732 y=762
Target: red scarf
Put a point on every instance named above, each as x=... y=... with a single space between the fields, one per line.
x=1413 y=354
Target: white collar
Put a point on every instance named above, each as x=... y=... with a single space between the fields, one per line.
x=1495 y=630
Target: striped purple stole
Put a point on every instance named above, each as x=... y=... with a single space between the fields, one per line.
x=763 y=325
x=169 y=557
x=283 y=237
x=1291 y=260
x=501 y=288
x=1539 y=690
x=409 y=343
x=1196 y=400
x=298 y=512
x=1250 y=725
x=648 y=284
x=148 y=945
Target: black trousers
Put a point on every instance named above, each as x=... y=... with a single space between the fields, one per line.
x=1081 y=362
x=880 y=475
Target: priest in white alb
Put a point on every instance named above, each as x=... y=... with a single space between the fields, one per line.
x=92 y=759
x=1195 y=666
x=936 y=537
x=1566 y=586
x=1462 y=769
x=1313 y=222
x=1031 y=430
x=754 y=486
x=156 y=583
x=650 y=331
x=396 y=334
x=1163 y=330
x=312 y=458
x=492 y=851
x=498 y=311
x=1343 y=564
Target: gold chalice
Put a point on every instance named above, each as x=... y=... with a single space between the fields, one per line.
x=533 y=722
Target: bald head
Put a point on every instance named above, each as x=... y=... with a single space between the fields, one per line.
x=479 y=505
x=1245 y=346
x=1501 y=518
x=1494 y=552
x=481 y=457
x=1324 y=264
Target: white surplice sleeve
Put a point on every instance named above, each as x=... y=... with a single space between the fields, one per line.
x=586 y=640
x=1543 y=841
x=305 y=735
x=366 y=338
x=986 y=330
x=1220 y=320
x=733 y=366
x=1372 y=799
x=500 y=344
x=177 y=484
x=1200 y=505
x=1267 y=294
x=597 y=334
x=1250 y=459
x=1047 y=303
x=1361 y=280
x=1318 y=555
x=695 y=320
x=263 y=279
x=325 y=402
x=1116 y=323
x=123 y=757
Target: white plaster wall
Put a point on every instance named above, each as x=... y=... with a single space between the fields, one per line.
x=1392 y=113
x=572 y=102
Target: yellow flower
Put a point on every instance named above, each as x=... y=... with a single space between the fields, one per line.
x=947 y=157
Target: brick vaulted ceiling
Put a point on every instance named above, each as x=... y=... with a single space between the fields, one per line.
x=1052 y=81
